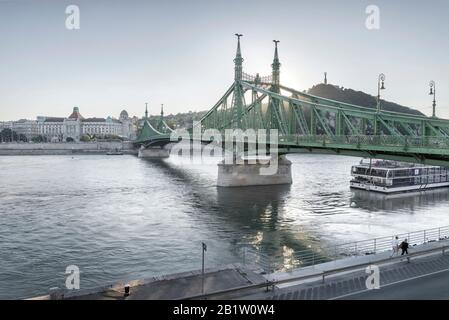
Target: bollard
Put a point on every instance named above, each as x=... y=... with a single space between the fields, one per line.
x=56 y=294
x=268 y=284
x=126 y=290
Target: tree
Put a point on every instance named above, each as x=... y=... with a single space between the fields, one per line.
x=85 y=138
x=38 y=139
x=22 y=138
x=8 y=135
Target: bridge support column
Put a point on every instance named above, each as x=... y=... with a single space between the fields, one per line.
x=245 y=174
x=153 y=153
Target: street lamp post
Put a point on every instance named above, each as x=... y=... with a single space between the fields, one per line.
x=204 y=249
x=433 y=92
x=380 y=86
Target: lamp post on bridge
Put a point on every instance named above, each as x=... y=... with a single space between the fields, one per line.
x=380 y=86
x=433 y=92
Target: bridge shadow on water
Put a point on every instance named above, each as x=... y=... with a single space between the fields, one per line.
x=241 y=215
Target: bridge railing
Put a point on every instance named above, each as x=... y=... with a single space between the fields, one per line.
x=253 y=255
x=251 y=78
x=370 y=140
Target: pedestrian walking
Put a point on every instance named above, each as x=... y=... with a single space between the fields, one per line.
x=395 y=246
x=404 y=247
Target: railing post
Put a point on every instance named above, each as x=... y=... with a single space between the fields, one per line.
x=375 y=246
x=424 y=237
x=270 y=268
x=439 y=234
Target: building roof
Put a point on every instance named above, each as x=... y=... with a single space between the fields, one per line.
x=76 y=114
x=54 y=119
x=124 y=114
x=94 y=120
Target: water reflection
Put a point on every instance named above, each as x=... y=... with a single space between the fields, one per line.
x=409 y=201
x=251 y=215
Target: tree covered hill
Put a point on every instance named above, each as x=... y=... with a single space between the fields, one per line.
x=359 y=98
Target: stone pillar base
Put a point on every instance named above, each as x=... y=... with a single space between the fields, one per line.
x=240 y=175
x=153 y=153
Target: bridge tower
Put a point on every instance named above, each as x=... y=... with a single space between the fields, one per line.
x=146 y=133
x=276 y=113
x=249 y=173
x=161 y=125
x=238 y=60
x=275 y=69
x=238 y=96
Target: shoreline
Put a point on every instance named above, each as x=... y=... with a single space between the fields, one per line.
x=66 y=148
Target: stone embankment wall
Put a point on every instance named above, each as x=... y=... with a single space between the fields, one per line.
x=65 y=148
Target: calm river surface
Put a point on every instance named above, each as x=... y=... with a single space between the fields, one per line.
x=120 y=217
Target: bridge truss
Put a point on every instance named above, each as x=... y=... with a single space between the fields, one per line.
x=308 y=123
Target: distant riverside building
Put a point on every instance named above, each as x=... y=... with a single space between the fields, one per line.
x=6 y=125
x=56 y=129
x=28 y=128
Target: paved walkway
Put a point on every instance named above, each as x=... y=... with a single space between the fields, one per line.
x=171 y=287
x=352 y=285
x=337 y=284
x=431 y=286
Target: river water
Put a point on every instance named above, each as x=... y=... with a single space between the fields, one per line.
x=121 y=217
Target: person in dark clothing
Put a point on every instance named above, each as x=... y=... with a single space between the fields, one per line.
x=404 y=247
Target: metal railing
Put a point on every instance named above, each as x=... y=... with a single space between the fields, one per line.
x=251 y=78
x=371 y=140
x=270 y=285
x=252 y=255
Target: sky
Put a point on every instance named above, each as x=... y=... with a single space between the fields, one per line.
x=180 y=53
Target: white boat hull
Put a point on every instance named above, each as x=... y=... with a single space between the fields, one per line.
x=370 y=187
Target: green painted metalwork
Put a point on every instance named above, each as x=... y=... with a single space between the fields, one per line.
x=149 y=132
x=309 y=123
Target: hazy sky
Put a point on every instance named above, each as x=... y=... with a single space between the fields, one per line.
x=180 y=53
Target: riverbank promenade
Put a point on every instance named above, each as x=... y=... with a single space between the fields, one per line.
x=168 y=287
x=339 y=279
x=418 y=275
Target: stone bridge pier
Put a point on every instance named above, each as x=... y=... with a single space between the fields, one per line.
x=241 y=173
x=153 y=152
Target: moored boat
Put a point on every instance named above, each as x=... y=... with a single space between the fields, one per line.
x=393 y=176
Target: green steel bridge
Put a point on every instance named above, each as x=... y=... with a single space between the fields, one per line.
x=308 y=123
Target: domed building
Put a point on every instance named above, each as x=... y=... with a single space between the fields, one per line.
x=124 y=115
x=128 y=127
x=75 y=126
